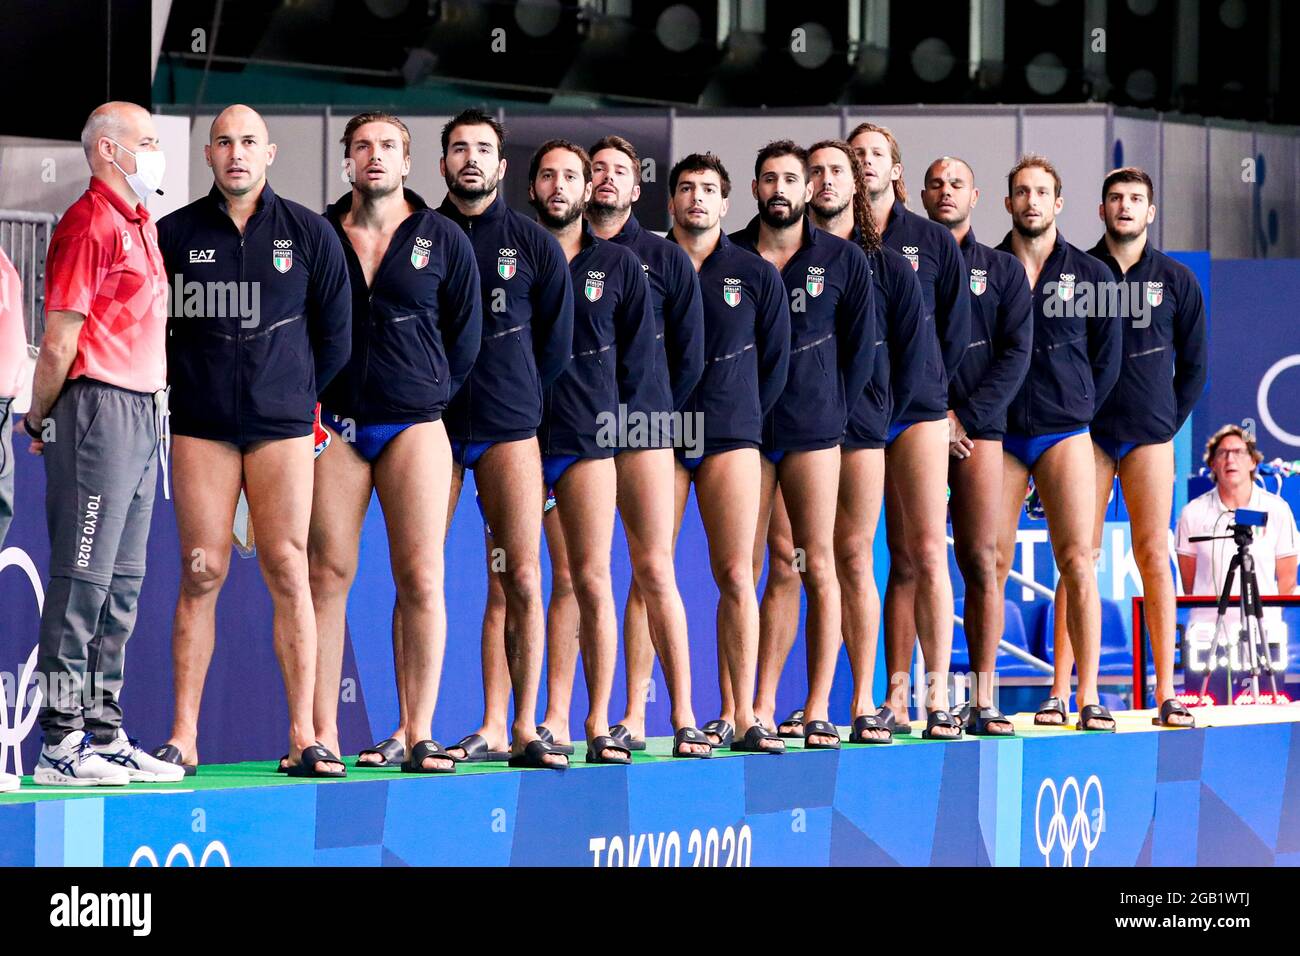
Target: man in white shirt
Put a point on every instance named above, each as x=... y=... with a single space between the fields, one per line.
x=1232 y=457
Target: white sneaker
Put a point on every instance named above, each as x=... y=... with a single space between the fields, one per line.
x=139 y=765
x=73 y=762
x=8 y=782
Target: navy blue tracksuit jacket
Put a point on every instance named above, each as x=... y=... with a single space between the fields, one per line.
x=832 y=338
x=933 y=254
x=746 y=347
x=613 y=352
x=907 y=367
x=415 y=327
x=527 y=325
x=1076 y=351
x=1163 y=371
x=1001 y=336
x=265 y=325
x=678 y=313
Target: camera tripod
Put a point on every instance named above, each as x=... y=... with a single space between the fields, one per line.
x=1250 y=636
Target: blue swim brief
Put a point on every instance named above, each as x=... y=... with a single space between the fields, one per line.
x=1114 y=448
x=1030 y=448
x=368 y=440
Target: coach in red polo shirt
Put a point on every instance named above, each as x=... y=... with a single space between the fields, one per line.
x=96 y=415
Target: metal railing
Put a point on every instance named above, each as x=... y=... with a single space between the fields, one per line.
x=25 y=237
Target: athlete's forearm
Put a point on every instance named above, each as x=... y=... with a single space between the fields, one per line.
x=58 y=350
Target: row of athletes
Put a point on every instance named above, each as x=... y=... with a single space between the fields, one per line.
x=839 y=350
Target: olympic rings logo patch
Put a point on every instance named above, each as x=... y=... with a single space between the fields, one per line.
x=145 y=855
x=1065 y=831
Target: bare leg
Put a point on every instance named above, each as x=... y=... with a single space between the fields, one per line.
x=918 y=462
x=1015 y=482
x=413 y=478
x=976 y=484
x=900 y=598
x=1070 y=522
x=652 y=521
x=341 y=495
x=510 y=484
x=206 y=490
x=1147 y=476
x=279 y=477
x=862 y=485
x=586 y=495
x=778 y=614
x=1062 y=654
x=403 y=716
x=727 y=487
x=766 y=500
x=811 y=480
x=562 y=622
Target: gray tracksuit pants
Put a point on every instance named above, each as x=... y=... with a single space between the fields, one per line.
x=101 y=467
x=6 y=466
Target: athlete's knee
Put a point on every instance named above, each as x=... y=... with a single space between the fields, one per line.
x=521 y=581
x=903 y=567
x=1152 y=555
x=855 y=566
x=284 y=569
x=1076 y=563
x=561 y=584
x=330 y=573
x=818 y=570
x=203 y=571
x=654 y=576
x=419 y=587
x=980 y=566
x=592 y=583
x=734 y=578
x=784 y=567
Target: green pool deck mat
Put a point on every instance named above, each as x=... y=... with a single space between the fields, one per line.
x=262 y=773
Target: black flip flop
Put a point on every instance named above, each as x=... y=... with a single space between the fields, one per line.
x=168 y=753
x=545 y=733
x=979 y=718
x=940 y=718
x=534 y=757
x=751 y=742
x=313 y=757
x=391 y=750
x=886 y=717
x=865 y=722
x=624 y=736
x=1170 y=708
x=1053 y=705
x=722 y=730
x=794 y=720
x=597 y=746
x=477 y=751
x=690 y=735
x=423 y=751
x=282 y=765
x=820 y=728
x=1094 y=712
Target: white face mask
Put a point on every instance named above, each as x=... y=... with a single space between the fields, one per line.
x=149 y=168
